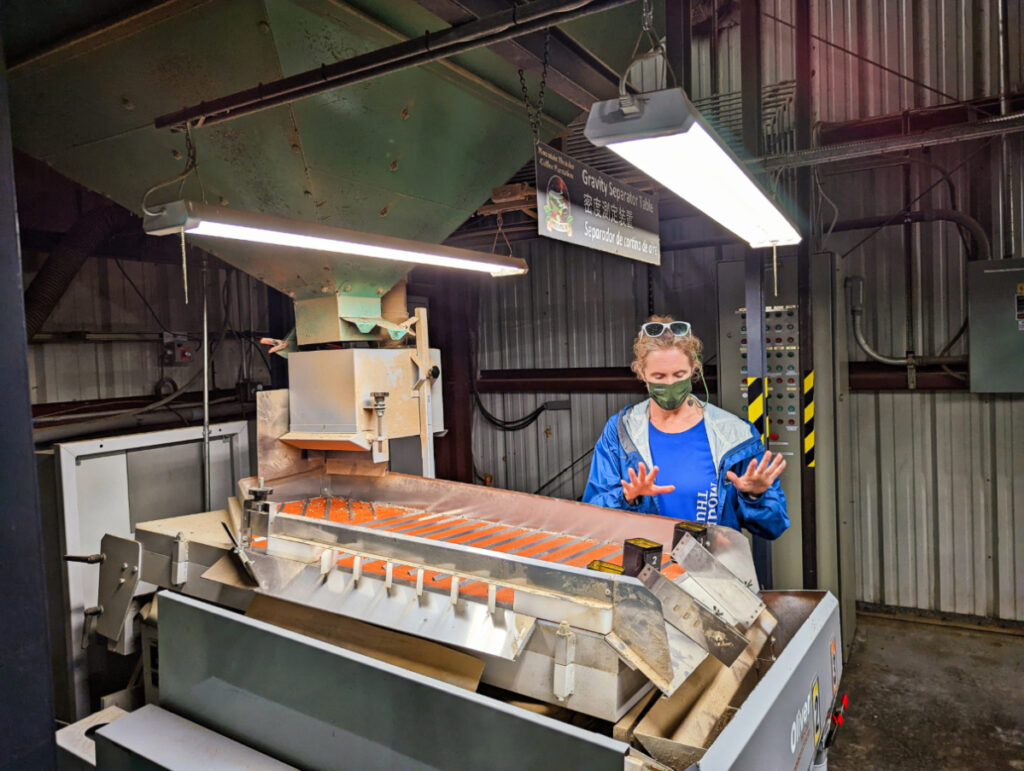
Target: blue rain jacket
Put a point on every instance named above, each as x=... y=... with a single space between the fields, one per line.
x=734 y=443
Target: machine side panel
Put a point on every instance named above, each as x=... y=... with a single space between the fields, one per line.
x=787 y=712
x=300 y=699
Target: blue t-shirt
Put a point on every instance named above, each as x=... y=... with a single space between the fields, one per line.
x=684 y=460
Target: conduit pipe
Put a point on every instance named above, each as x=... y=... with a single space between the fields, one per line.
x=53 y=279
x=855 y=285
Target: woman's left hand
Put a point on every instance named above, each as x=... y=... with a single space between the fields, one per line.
x=758 y=476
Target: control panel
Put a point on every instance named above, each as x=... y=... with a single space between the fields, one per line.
x=782 y=392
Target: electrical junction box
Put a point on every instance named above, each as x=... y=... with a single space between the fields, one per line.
x=995 y=310
x=178 y=350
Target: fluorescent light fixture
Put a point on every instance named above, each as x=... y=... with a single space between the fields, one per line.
x=665 y=137
x=205 y=220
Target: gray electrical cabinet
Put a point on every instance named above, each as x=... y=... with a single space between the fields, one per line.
x=995 y=309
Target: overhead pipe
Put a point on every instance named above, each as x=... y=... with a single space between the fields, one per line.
x=983 y=247
x=55 y=276
x=122 y=423
x=480 y=33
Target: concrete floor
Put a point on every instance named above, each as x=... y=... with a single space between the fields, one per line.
x=931 y=697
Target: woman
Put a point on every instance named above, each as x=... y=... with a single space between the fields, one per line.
x=713 y=468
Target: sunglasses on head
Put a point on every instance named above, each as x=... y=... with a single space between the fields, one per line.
x=658 y=328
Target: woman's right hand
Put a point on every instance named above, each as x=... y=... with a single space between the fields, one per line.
x=641 y=483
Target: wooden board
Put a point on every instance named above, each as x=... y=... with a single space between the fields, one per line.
x=412 y=653
x=204 y=527
x=623 y=730
x=73 y=741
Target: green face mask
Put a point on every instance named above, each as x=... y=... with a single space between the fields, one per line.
x=672 y=395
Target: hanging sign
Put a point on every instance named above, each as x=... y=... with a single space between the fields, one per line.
x=583 y=206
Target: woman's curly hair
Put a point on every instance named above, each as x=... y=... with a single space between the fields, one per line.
x=690 y=345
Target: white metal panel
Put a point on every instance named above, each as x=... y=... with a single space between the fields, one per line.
x=96 y=499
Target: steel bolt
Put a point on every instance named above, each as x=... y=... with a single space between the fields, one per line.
x=405 y=113
x=347 y=288
x=127 y=103
x=380 y=290
x=120 y=581
x=264 y=27
x=124 y=566
x=393 y=165
x=383 y=212
x=176 y=155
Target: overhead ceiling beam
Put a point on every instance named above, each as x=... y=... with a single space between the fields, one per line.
x=964 y=132
x=574 y=73
x=482 y=33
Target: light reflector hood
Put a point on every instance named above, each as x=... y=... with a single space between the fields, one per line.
x=668 y=140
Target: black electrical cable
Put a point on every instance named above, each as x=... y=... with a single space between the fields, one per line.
x=556 y=476
x=508 y=425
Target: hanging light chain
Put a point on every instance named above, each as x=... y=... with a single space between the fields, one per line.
x=535 y=113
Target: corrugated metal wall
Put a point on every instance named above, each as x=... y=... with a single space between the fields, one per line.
x=950 y=46
x=938 y=477
x=575 y=308
x=100 y=299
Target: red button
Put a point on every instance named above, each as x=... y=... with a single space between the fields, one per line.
x=778 y=339
x=779 y=421
x=789 y=339
x=791 y=381
x=773 y=436
x=792 y=422
x=743 y=341
x=778 y=380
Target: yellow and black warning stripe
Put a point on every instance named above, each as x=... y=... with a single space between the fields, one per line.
x=756 y=387
x=809 y=419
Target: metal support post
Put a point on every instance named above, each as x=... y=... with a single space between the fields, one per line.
x=206 y=395
x=808 y=506
x=424 y=384
x=750 y=74
x=1007 y=178
x=679 y=42
x=756 y=386
x=26 y=682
